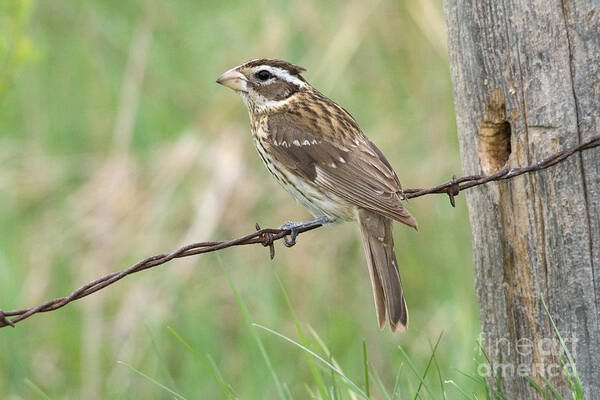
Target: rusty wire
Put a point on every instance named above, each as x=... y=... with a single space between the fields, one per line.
x=268 y=236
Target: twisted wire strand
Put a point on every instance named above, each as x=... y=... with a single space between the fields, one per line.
x=268 y=236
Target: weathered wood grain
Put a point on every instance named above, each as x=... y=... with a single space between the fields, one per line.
x=528 y=73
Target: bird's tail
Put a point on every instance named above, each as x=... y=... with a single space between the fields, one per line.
x=378 y=242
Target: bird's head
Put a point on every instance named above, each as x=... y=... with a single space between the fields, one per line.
x=265 y=84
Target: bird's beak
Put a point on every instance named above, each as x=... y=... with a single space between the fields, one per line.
x=233 y=79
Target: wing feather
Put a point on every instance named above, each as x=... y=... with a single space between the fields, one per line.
x=352 y=168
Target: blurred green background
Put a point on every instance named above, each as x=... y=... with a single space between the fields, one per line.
x=116 y=144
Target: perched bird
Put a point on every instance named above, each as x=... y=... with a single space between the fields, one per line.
x=319 y=154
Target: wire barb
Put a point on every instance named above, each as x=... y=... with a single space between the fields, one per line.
x=267 y=242
x=268 y=236
x=453 y=190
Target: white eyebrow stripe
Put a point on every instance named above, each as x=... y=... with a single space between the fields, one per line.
x=280 y=73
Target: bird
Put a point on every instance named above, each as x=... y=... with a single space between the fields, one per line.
x=315 y=149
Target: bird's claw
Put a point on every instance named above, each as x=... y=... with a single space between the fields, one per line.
x=291 y=242
x=294 y=228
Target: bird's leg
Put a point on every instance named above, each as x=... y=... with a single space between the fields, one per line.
x=295 y=227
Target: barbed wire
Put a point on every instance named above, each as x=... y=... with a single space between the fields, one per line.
x=455 y=186
x=268 y=236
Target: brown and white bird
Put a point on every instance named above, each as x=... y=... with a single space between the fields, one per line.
x=319 y=154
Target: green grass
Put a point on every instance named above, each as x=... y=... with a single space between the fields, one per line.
x=318 y=380
x=207 y=365
x=36 y=389
x=81 y=197
x=366 y=366
x=320 y=365
x=547 y=391
x=569 y=369
x=251 y=327
x=152 y=380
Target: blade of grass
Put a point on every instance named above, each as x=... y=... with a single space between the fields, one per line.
x=538 y=388
x=215 y=368
x=428 y=365
x=313 y=369
x=161 y=359
x=226 y=388
x=366 y=367
x=382 y=388
x=250 y=324
x=442 y=387
x=578 y=392
x=150 y=379
x=476 y=379
x=414 y=370
x=498 y=390
x=327 y=363
x=286 y=389
x=312 y=394
x=335 y=390
x=557 y=395
x=483 y=382
x=325 y=349
x=567 y=375
x=36 y=389
x=396 y=390
x=451 y=382
x=325 y=370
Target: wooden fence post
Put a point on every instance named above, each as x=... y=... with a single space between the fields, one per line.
x=526 y=80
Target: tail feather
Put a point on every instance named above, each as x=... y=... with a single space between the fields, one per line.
x=378 y=242
x=378 y=295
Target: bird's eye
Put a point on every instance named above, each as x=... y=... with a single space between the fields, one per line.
x=263 y=75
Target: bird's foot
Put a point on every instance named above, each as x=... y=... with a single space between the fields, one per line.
x=295 y=227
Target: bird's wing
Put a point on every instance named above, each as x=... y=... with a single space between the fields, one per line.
x=350 y=166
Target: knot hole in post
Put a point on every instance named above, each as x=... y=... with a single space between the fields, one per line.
x=493 y=140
